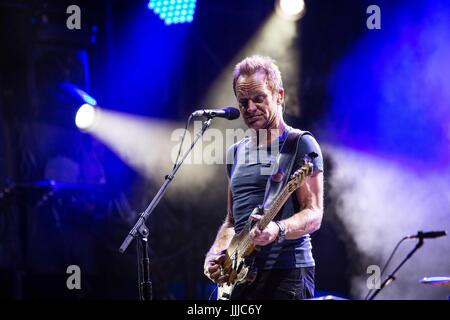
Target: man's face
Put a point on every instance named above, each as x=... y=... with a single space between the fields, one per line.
x=257 y=103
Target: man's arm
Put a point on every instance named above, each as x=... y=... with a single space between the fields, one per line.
x=226 y=230
x=215 y=255
x=306 y=221
x=309 y=218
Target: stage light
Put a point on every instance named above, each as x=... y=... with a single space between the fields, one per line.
x=85 y=117
x=275 y=38
x=77 y=93
x=88 y=99
x=290 y=9
x=174 y=11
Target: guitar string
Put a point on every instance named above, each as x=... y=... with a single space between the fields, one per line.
x=284 y=194
x=243 y=245
x=276 y=204
x=247 y=239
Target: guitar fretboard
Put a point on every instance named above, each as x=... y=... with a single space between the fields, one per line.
x=275 y=207
x=270 y=213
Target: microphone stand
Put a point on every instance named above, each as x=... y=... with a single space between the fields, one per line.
x=141 y=231
x=392 y=275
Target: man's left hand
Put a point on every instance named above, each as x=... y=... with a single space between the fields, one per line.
x=265 y=236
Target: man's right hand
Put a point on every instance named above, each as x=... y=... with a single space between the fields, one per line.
x=212 y=267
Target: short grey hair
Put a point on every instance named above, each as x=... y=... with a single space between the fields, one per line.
x=257 y=63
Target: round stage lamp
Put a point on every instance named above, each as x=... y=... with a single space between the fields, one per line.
x=85 y=117
x=290 y=9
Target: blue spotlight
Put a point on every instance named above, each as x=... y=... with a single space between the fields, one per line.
x=78 y=94
x=174 y=11
x=88 y=99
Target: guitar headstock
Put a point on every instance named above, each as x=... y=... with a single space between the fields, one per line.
x=303 y=172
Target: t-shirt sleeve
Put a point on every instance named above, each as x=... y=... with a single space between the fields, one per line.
x=229 y=159
x=308 y=144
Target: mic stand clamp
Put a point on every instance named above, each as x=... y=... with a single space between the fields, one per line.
x=140 y=230
x=392 y=275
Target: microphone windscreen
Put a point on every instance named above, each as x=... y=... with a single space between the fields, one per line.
x=232 y=113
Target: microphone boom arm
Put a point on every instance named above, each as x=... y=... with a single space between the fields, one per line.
x=144 y=215
x=392 y=275
x=140 y=230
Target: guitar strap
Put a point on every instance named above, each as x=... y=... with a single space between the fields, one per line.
x=283 y=166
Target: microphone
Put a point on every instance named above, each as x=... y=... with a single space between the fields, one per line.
x=427 y=235
x=227 y=113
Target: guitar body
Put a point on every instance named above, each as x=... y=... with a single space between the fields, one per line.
x=235 y=262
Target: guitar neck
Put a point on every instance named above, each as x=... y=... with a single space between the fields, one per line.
x=275 y=207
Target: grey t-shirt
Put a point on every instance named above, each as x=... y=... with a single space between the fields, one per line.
x=249 y=169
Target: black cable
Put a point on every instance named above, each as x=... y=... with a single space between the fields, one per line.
x=392 y=254
x=387 y=263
